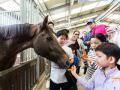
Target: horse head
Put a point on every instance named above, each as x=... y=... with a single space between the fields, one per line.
x=46 y=45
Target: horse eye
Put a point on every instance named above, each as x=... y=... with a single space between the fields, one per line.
x=49 y=38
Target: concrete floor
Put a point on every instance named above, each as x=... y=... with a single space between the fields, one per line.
x=43 y=86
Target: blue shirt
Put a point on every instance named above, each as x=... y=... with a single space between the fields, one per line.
x=88 y=36
x=76 y=61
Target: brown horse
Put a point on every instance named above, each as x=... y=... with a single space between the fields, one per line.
x=16 y=38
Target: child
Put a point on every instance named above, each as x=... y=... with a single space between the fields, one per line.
x=107 y=77
x=94 y=42
x=76 y=63
x=76 y=59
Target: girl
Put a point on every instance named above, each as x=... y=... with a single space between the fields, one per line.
x=94 y=42
x=107 y=77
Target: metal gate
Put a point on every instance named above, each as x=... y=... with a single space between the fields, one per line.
x=29 y=13
x=25 y=75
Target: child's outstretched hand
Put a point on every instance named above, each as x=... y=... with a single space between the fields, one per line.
x=73 y=69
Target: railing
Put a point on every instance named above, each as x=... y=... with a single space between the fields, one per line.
x=21 y=77
x=9 y=17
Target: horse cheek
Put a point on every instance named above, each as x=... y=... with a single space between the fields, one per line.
x=38 y=46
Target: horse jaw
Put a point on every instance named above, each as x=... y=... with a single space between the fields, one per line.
x=61 y=60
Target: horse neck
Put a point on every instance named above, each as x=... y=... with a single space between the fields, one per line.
x=24 y=39
x=23 y=46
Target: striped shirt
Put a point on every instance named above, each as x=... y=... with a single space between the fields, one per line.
x=92 y=67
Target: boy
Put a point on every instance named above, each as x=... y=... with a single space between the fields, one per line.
x=106 y=78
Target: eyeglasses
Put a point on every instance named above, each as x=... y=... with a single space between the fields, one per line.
x=77 y=34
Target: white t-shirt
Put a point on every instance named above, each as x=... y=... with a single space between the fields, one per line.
x=57 y=74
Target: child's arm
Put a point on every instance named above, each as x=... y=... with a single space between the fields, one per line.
x=73 y=71
x=88 y=85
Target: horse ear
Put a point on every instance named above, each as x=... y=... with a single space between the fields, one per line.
x=45 y=22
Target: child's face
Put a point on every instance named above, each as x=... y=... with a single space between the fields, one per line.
x=94 y=42
x=102 y=59
x=61 y=40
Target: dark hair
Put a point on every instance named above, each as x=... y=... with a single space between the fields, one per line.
x=110 y=49
x=62 y=32
x=101 y=37
x=51 y=23
x=72 y=46
x=65 y=30
x=89 y=23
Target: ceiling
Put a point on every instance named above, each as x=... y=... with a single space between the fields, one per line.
x=73 y=13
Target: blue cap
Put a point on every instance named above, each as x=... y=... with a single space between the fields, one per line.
x=90 y=21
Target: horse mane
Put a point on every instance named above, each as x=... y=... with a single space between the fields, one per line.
x=15 y=31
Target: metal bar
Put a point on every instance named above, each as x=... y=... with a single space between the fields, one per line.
x=115 y=5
